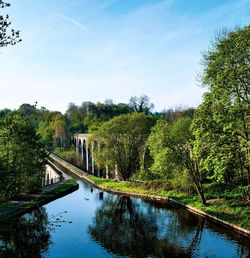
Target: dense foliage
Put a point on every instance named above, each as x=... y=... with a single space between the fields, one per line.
x=216 y=147
x=88 y=116
x=222 y=122
x=22 y=157
x=171 y=146
x=122 y=143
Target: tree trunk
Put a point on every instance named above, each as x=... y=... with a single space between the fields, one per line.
x=200 y=192
x=197 y=181
x=142 y=157
x=201 y=195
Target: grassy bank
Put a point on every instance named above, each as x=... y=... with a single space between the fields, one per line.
x=224 y=202
x=25 y=203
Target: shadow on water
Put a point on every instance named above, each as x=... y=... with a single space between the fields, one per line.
x=27 y=236
x=128 y=227
x=123 y=228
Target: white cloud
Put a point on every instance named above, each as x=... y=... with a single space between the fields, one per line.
x=71 y=20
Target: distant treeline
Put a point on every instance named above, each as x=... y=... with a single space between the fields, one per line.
x=55 y=128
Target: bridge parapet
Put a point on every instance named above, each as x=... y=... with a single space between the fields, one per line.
x=80 y=138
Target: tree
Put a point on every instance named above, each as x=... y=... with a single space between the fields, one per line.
x=4 y=112
x=123 y=139
x=27 y=110
x=91 y=122
x=76 y=116
x=6 y=37
x=222 y=122
x=171 y=146
x=162 y=166
x=60 y=127
x=172 y=114
x=88 y=107
x=46 y=132
x=141 y=104
x=22 y=156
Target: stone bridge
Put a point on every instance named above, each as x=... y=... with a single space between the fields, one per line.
x=86 y=148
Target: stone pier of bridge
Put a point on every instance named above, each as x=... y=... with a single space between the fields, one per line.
x=86 y=148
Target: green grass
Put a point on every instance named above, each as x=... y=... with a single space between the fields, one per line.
x=62 y=188
x=8 y=210
x=227 y=206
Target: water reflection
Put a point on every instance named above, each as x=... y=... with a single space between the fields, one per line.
x=27 y=236
x=122 y=227
x=92 y=223
x=131 y=227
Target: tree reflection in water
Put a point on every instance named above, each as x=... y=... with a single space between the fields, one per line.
x=124 y=227
x=25 y=237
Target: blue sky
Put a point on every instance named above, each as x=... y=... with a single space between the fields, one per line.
x=92 y=50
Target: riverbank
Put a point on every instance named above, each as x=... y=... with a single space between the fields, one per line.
x=224 y=207
x=26 y=202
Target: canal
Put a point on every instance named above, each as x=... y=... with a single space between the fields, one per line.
x=89 y=223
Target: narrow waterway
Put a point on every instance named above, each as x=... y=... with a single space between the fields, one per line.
x=89 y=223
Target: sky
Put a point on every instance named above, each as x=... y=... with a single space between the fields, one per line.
x=92 y=50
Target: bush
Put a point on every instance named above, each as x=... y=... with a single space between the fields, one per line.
x=144 y=175
x=183 y=182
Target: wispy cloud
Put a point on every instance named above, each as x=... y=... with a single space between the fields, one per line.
x=128 y=47
x=226 y=8
x=71 y=20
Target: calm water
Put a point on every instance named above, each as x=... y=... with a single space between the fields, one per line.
x=89 y=224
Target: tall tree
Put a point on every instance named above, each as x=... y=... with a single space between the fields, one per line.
x=171 y=146
x=123 y=139
x=222 y=122
x=141 y=104
x=60 y=127
x=22 y=156
x=76 y=116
